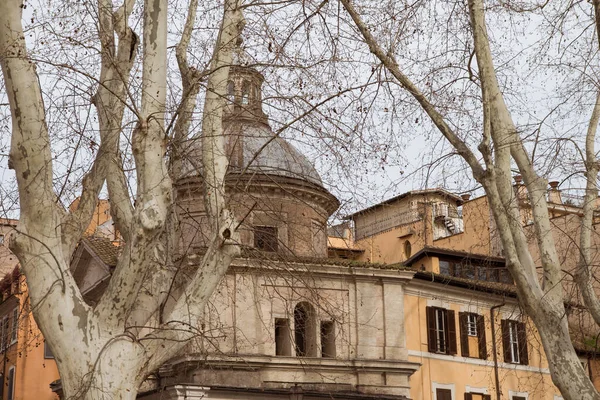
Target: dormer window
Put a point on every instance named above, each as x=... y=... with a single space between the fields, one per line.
x=265 y=238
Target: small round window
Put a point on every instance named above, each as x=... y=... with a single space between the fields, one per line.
x=407 y=249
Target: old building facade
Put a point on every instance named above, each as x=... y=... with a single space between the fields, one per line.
x=409 y=298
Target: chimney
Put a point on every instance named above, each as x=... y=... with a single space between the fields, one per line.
x=520 y=189
x=554 y=193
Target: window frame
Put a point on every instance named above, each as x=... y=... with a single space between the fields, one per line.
x=283 y=338
x=14 y=329
x=266 y=238
x=10 y=384
x=442 y=386
x=472 y=325
x=441 y=328
x=514 y=342
x=48 y=354
x=479 y=321
x=328 y=332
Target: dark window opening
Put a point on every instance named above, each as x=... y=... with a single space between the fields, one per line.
x=443 y=394
x=265 y=238
x=514 y=342
x=441 y=330
x=477 y=396
x=327 y=339
x=407 y=249
x=465 y=269
x=230 y=92
x=11 y=384
x=246 y=92
x=47 y=351
x=283 y=343
x=305 y=330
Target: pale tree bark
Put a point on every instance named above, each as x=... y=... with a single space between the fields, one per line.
x=500 y=146
x=583 y=274
x=112 y=357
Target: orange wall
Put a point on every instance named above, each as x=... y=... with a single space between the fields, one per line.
x=466 y=372
x=33 y=373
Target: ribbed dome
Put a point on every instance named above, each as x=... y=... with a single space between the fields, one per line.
x=253 y=148
x=251 y=145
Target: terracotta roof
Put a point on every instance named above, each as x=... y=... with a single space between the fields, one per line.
x=439 y=191
x=502 y=289
x=430 y=250
x=104 y=249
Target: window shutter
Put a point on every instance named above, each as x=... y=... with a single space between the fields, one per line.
x=451 y=332
x=522 y=338
x=481 y=337
x=505 y=340
x=468 y=396
x=487 y=397
x=431 y=342
x=464 y=335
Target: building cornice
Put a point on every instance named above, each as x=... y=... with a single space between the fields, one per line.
x=251 y=362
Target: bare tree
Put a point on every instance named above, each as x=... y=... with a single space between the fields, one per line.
x=114 y=353
x=502 y=147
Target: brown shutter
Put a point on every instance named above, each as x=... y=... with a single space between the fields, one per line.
x=451 y=332
x=487 y=397
x=481 y=337
x=522 y=338
x=431 y=342
x=464 y=334
x=468 y=396
x=505 y=340
x=443 y=394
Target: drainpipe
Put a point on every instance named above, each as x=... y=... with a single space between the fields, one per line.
x=496 y=377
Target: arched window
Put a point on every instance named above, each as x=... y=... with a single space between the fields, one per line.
x=407 y=249
x=230 y=91
x=245 y=92
x=305 y=329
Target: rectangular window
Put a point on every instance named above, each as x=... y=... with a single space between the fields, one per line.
x=283 y=342
x=472 y=324
x=4 y=333
x=477 y=396
x=443 y=394
x=472 y=335
x=47 y=351
x=514 y=341
x=444 y=267
x=327 y=339
x=441 y=330
x=469 y=271
x=11 y=384
x=518 y=398
x=265 y=238
x=15 y=326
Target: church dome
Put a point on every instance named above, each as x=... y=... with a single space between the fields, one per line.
x=252 y=146
x=273 y=189
x=255 y=149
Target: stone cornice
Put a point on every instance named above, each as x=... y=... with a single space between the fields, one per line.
x=261 y=184
x=258 y=362
x=316 y=269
